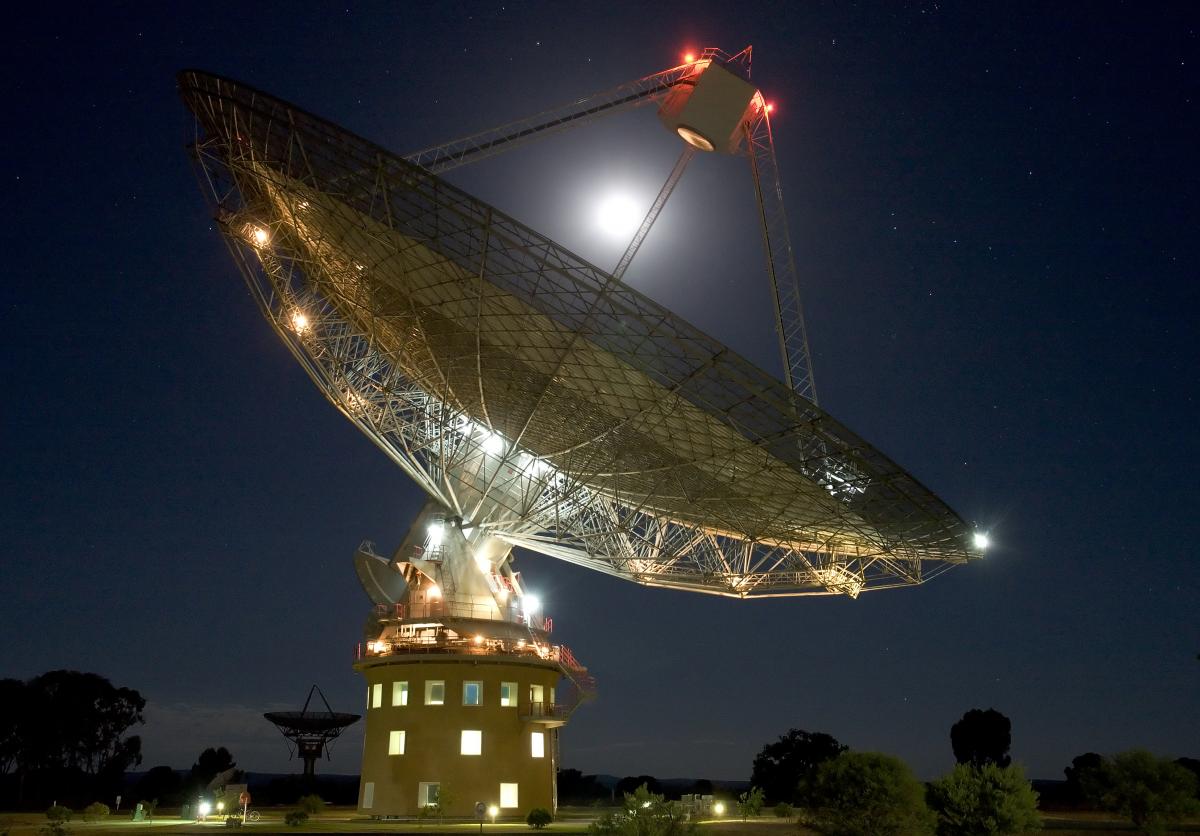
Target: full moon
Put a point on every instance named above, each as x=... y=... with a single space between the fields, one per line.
x=618 y=216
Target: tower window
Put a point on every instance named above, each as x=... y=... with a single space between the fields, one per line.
x=508 y=694
x=537 y=744
x=472 y=693
x=471 y=743
x=399 y=693
x=368 y=795
x=377 y=695
x=435 y=692
x=537 y=695
x=508 y=795
x=428 y=793
x=396 y=743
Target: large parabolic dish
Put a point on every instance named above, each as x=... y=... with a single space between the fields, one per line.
x=532 y=394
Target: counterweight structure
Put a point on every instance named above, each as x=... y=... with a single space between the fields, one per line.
x=540 y=402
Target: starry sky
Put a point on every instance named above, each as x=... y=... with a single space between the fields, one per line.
x=994 y=213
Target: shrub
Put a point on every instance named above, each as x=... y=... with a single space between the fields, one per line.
x=233 y=821
x=608 y=824
x=784 y=810
x=644 y=814
x=868 y=794
x=539 y=817
x=1151 y=792
x=311 y=804
x=95 y=811
x=750 y=803
x=58 y=813
x=984 y=801
x=295 y=818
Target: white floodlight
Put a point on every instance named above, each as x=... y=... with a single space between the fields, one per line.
x=493 y=443
x=532 y=603
x=204 y=809
x=718 y=809
x=261 y=236
x=435 y=533
x=300 y=322
x=981 y=540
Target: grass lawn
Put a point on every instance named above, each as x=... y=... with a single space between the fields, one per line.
x=574 y=821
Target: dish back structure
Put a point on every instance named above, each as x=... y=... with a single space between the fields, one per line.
x=533 y=395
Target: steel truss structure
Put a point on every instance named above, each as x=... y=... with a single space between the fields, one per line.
x=535 y=395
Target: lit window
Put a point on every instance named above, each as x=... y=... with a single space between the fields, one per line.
x=472 y=693
x=368 y=795
x=428 y=794
x=508 y=694
x=508 y=795
x=396 y=743
x=472 y=743
x=537 y=695
x=399 y=693
x=377 y=695
x=537 y=744
x=435 y=692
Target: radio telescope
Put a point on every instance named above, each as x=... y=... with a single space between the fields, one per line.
x=311 y=732
x=541 y=402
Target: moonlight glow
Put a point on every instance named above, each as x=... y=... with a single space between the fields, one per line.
x=618 y=216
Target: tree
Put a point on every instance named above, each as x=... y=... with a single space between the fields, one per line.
x=784 y=768
x=750 y=803
x=1151 y=792
x=162 y=783
x=647 y=813
x=982 y=737
x=984 y=800
x=12 y=697
x=1087 y=779
x=630 y=784
x=868 y=794
x=211 y=763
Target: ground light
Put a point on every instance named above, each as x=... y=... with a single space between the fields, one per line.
x=718 y=809
x=493 y=811
x=204 y=808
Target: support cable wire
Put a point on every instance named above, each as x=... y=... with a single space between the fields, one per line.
x=655 y=208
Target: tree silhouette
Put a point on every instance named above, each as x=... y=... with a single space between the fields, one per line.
x=1087 y=779
x=210 y=763
x=982 y=737
x=785 y=768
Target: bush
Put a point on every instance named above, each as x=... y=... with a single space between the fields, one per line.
x=984 y=801
x=295 y=818
x=784 y=810
x=750 y=803
x=868 y=794
x=539 y=817
x=233 y=821
x=1151 y=792
x=58 y=814
x=644 y=814
x=311 y=804
x=95 y=811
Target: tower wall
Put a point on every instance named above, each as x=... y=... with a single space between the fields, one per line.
x=392 y=782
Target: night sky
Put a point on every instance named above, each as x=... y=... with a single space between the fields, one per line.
x=994 y=213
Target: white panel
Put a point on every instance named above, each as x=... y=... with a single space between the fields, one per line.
x=368 y=795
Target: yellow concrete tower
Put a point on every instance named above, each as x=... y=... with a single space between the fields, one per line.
x=465 y=690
